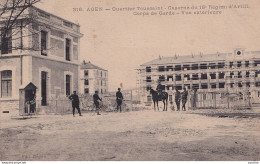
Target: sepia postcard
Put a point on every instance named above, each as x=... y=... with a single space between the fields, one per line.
x=129 y=80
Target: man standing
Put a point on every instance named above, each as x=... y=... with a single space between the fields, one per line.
x=177 y=99
x=119 y=99
x=184 y=99
x=75 y=103
x=96 y=102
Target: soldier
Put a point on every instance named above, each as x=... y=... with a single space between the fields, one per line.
x=177 y=99
x=159 y=89
x=184 y=99
x=96 y=102
x=75 y=103
x=119 y=99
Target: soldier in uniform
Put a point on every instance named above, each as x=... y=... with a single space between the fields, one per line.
x=184 y=98
x=96 y=102
x=119 y=99
x=75 y=103
x=177 y=99
x=159 y=89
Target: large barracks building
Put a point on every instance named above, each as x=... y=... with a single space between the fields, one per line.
x=237 y=71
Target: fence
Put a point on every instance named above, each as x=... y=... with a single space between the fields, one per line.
x=235 y=100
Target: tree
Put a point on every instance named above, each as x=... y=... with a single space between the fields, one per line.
x=13 y=20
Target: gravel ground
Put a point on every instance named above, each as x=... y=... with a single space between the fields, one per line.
x=137 y=136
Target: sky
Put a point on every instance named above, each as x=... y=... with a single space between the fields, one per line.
x=120 y=41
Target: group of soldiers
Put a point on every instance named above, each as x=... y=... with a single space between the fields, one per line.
x=179 y=97
x=96 y=99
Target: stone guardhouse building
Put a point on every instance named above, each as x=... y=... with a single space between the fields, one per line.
x=48 y=57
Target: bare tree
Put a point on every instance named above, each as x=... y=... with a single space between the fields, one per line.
x=13 y=21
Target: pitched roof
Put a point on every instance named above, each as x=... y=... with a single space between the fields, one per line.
x=195 y=58
x=89 y=65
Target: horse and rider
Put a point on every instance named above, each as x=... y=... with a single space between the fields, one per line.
x=159 y=95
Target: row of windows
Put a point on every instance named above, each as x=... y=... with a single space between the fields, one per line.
x=86 y=73
x=102 y=83
x=44 y=40
x=202 y=76
x=6 y=44
x=202 y=66
x=206 y=86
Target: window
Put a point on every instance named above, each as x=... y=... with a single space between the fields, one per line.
x=213 y=75
x=148 y=69
x=239 y=74
x=43 y=43
x=195 y=77
x=161 y=78
x=6 y=83
x=86 y=90
x=194 y=66
x=221 y=75
x=169 y=68
x=86 y=82
x=203 y=66
x=101 y=73
x=161 y=68
x=68 y=78
x=239 y=64
x=148 y=79
x=231 y=85
x=240 y=85
x=6 y=42
x=231 y=64
x=86 y=72
x=213 y=86
x=149 y=98
x=148 y=87
x=247 y=63
x=221 y=65
x=247 y=73
x=177 y=68
x=178 y=77
x=247 y=84
x=68 y=49
x=204 y=76
x=221 y=85
x=204 y=86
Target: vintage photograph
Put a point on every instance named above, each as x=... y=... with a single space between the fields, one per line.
x=132 y=80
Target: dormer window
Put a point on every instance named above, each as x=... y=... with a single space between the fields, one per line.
x=239 y=53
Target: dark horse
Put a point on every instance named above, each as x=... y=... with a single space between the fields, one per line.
x=156 y=97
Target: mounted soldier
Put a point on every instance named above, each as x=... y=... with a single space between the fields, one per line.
x=159 y=89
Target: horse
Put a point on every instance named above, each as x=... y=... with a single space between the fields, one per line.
x=156 y=97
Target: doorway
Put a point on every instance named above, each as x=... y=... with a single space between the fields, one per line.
x=44 y=88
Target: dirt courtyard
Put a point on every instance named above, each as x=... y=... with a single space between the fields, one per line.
x=136 y=135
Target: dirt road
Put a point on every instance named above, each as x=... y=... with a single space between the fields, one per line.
x=139 y=135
